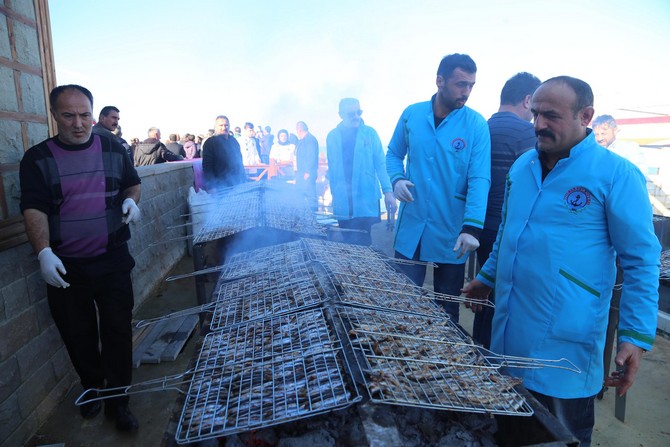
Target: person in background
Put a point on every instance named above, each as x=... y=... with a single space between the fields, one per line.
x=283 y=153
x=174 y=146
x=190 y=148
x=108 y=126
x=356 y=169
x=512 y=134
x=249 y=146
x=79 y=192
x=553 y=262
x=267 y=140
x=606 y=130
x=221 y=158
x=238 y=133
x=307 y=164
x=151 y=151
x=444 y=186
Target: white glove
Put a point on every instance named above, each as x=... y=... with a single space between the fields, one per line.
x=131 y=213
x=465 y=244
x=401 y=191
x=51 y=265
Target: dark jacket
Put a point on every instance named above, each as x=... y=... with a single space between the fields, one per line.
x=222 y=162
x=151 y=152
x=175 y=148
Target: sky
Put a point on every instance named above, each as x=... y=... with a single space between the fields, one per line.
x=178 y=64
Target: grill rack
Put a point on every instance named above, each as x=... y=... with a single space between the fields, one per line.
x=426 y=362
x=257 y=296
x=275 y=257
x=265 y=373
x=260 y=205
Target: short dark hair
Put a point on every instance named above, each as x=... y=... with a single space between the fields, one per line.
x=453 y=61
x=221 y=117
x=56 y=92
x=581 y=89
x=248 y=125
x=105 y=111
x=604 y=119
x=173 y=137
x=518 y=87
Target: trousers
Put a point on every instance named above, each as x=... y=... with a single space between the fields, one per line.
x=93 y=317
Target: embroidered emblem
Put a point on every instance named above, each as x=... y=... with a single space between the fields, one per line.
x=577 y=198
x=458 y=144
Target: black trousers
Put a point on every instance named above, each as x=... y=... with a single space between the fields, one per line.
x=363 y=224
x=101 y=353
x=481 y=327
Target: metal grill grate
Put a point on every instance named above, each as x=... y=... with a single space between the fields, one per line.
x=261 y=205
x=401 y=297
x=276 y=257
x=427 y=362
x=231 y=216
x=264 y=373
x=271 y=293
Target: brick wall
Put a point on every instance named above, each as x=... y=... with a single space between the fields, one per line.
x=35 y=371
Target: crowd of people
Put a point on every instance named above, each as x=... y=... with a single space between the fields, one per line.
x=549 y=206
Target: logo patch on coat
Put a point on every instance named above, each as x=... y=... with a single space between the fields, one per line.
x=577 y=198
x=458 y=144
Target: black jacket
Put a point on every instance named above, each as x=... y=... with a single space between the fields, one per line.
x=151 y=152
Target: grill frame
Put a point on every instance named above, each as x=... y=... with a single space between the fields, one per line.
x=386 y=377
x=241 y=363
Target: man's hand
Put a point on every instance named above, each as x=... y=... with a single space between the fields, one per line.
x=52 y=267
x=477 y=290
x=465 y=244
x=391 y=207
x=401 y=190
x=628 y=357
x=131 y=213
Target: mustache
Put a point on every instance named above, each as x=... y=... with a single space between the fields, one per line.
x=545 y=133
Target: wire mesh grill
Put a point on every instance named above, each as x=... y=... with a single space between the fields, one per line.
x=266 y=294
x=402 y=296
x=260 y=205
x=427 y=362
x=233 y=215
x=265 y=373
x=277 y=257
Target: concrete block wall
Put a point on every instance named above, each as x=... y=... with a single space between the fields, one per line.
x=164 y=200
x=35 y=370
x=23 y=108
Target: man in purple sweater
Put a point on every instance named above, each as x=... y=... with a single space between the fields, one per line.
x=79 y=192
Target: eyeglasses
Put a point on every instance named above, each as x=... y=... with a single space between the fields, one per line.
x=353 y=114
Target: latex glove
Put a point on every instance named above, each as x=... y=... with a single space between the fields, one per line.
x=52 y=267
x=465 y=244
x=401 y=191
x=131 y=213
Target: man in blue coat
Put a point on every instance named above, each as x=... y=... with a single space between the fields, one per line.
x=570 y=208
x=439 y=162
x=356 y=168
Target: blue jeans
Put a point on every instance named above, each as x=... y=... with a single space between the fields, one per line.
x=447 y=278
x=577 y=415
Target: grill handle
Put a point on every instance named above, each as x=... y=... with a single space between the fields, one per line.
x=209 y=307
